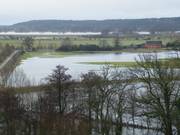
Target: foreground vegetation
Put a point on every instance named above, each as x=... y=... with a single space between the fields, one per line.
x=98 y=104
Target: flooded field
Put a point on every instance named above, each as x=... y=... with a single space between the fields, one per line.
x=38 y=68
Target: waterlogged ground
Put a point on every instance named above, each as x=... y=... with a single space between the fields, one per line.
x=37 y=67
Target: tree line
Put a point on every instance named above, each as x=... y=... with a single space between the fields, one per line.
x=67 y=45
x=122 y=25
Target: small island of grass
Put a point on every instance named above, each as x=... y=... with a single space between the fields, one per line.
x=114 y=64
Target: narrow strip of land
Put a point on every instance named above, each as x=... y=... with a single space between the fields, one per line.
x=171 y=62
x=118 y=64
x=3 y=64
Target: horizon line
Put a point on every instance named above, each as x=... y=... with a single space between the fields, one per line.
x=51 y=19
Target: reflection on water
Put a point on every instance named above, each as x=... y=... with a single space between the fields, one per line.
x=38 y=68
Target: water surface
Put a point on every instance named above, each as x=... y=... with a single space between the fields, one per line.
x=38 y=68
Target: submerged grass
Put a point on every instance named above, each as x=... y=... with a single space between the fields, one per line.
x=49 y=54
x=54 y=54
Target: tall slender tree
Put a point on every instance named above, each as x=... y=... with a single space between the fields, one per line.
x=59 y=80
x=28 y=43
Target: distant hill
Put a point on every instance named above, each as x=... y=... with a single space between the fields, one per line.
x=123 y=25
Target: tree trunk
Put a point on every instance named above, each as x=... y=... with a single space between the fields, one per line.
x=178 y=131
x=118 y=129
x=168 y=129
x=59 y=98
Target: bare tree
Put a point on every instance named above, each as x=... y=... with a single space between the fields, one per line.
x=119 y=99
x=106 y=95
x=11 y=111
x=59 y=82
x=89 y=83
x=161 y=89
x=176 y=117
x=18 y=78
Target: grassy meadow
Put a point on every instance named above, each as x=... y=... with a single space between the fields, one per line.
x=55 y=42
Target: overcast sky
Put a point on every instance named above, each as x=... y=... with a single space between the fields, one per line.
x=13 y=11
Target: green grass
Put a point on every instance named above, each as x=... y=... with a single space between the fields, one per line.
x=13 y=42
x=51 y=43
x=29 y=89
x=174 y=63
x=46 y=54
x=115 y=64
x=54 y=54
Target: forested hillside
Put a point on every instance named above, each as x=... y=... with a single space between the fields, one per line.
x=123 y=25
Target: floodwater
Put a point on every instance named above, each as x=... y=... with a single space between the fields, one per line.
x=37 y=68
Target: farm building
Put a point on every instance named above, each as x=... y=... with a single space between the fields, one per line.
x=153 y=44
